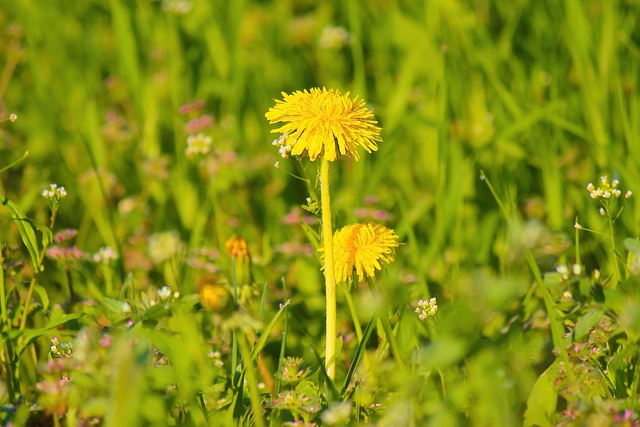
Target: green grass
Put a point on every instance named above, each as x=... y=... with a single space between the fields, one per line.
x=538 y=97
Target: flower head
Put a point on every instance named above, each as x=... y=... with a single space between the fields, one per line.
x=199 y=144
x=105 y=255
x=291 y=370
x=237 y=247
x=63 y=255
x=325 y=123
x=363 y=248
x=215 y=297
x=54 y=194
x=427 y=309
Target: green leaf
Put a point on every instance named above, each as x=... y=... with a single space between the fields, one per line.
x=12 y=164
x=128 y=284
x=156 y=312
x=265 y=334
x=542 y=401
x=26 y=231
x=314 y=239
x=586 y=322
x=358 y=354
x=632 y=245
x=29 y=335
x=622 y=359
x=613 y=300
x=113 y=305
x=44 y=297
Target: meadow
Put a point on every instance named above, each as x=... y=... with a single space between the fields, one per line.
x=163 y=258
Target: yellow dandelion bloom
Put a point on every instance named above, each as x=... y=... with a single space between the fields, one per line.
x=362 y=248
x=325 y=123
x=215 y=298
x=237 y=247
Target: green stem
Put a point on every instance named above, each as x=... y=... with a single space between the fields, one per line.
x=555 y=323
x=578 y=260
x=356 y=321
x=3 y=296
x=72 y=294
x=354 y=312
x=252 y=380
x=234 y=334
x=7 y=350
x=612 y=237
x=329 y=275
x=391 y=338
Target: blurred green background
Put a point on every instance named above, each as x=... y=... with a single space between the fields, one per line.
x=542 y=96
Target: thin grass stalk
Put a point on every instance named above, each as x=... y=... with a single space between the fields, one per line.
x=329 y=277
x=391 y=338
x=234 y=335
x=7 y=350
x=252 y=380
x=612 y=238
x=32 y=284
x=356 y=321
x=555 y=324
x=354 y=312
x=284 y=336
x=3 y=295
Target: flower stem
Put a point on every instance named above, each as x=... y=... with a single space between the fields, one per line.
x=329 y=276
x=612 y=238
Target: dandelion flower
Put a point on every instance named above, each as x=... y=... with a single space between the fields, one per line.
x=237 y=247
x=216 y=298
x=325 y=123
x=363 y=248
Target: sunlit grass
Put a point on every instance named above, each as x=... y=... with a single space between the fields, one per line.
x=495 y=116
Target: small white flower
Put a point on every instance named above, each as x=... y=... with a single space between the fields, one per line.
x=164 y=293
x=627 y=194
x=105 y=255
x=563 y=270
x=198 y=144
x=126 y=308
x=577 y=269
x=54 y=193
x=602 y=212
x=427 y=309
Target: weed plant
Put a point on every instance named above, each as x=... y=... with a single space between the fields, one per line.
x=165 y=263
